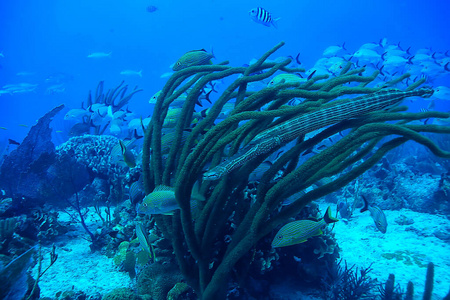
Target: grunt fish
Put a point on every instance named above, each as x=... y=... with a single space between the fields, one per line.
x=299 y=231
x=193 y=58
x=377 y=214
x=162 y=201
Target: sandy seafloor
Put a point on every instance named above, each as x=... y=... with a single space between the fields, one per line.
x=362 y=244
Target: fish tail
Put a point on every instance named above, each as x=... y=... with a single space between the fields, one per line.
x=274 y=22
x=366 y=204
x=328 y=217
x=140 y=73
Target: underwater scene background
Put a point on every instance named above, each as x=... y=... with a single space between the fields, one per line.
x=224 y=150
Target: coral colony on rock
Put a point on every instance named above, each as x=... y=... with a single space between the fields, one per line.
x=261 y=181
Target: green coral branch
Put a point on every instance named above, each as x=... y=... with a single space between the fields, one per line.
x=258 y=118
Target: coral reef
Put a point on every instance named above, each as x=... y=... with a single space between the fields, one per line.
x=14 y=275
x=343 y=282
x=23 y=170
x=158 y=280
x=198 y=242
x=121 y=294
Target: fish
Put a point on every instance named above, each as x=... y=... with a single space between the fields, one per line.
x=193 y=58
x=144 y=241
x=151 y=8
x=377 y=214
x=135 y=191
x=344 y=210
x=154 y=97
x=334 y=50
x=262 y=16
x=168 y=138
x=58 y=78
x=167 y=74
x=55 y=89
x=80 y=129
x=2 y=55
x=19 y=88
x=442 y=93
x=286 y=78
x=13 y=142
x=257 y=173
x=99 y=55
x=162 y=201
x=300 y=231
x=3 y=128
x=131 y=73
x=367 y=56
x=25 y=73
x=76 y=114
x=128 y=156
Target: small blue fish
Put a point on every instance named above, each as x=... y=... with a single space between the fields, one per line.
x=377 y=215
x=151 y=8
x=262 y=16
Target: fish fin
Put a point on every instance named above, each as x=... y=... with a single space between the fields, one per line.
x=169 y=213
x=161 y=188
x=196 y=195
x=366 y=204
x=122 y=147
x=317 y=233
x=142 y=125
x=328 y=216
x=274 y=22
x=136 y=136
x=140 y=73
x=312 y=74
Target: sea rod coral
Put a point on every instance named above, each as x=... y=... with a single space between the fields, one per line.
x=207 y=260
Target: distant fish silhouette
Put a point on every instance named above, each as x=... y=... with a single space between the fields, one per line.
x=13 y=142
x=151 y=8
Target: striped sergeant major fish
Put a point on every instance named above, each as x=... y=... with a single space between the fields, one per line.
x=262 y=16
x=377 y=215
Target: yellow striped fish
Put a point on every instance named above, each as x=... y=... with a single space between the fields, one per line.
x=144 y=241
x=193 y=58
x=128 y=156
x=299 y=231
x=286 y=78
x=162 y=201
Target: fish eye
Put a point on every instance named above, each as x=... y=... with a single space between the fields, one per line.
x=178 y=64
x=280 y=237
x=144 y=205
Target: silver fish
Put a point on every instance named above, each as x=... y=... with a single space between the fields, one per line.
x=377 y=215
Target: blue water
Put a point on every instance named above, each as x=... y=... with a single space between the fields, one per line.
x=46 y=45
x=54 y=37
